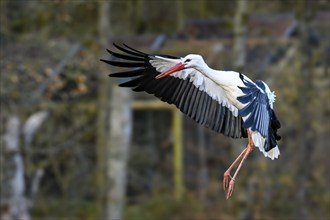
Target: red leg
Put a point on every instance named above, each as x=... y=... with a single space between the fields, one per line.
x=227 y=175
x=244 y=153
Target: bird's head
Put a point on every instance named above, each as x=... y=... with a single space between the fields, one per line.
x=189 y=61
x=193 y=61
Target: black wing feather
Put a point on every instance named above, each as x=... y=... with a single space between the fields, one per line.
x=131 y=73
x=126 y=57
x=123 y=64
x=138 y=54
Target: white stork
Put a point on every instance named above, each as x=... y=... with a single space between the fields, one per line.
x=225 y=101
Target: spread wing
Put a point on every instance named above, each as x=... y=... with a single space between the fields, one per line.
x=189 y=90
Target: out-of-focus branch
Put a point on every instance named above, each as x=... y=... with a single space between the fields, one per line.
x=57 y=70
x=32 y=124
x=35 y=184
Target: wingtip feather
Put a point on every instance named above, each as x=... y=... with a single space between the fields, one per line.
x=109 y=51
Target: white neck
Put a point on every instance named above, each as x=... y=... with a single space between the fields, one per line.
x=218 y=76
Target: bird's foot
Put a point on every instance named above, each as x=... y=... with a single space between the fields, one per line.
x=228 y=184
x=226 y=177
x=231 y=188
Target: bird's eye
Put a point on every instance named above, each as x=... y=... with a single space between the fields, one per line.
x=187 y=60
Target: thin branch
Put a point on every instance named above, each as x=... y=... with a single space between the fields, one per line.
x=57 y=70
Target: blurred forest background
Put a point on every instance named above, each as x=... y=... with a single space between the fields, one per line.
x=75 y=146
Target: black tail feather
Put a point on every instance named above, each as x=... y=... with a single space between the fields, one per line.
x=273 y=137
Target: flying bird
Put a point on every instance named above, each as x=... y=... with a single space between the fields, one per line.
x=227 y=102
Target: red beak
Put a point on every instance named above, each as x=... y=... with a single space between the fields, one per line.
x=175 y=68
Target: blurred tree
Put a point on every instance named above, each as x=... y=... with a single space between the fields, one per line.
x=120 y=126
x=140 y=21
x=203 y=177
x=202 y=8
x=179 y=14
x=22 y=182
x=103 y=104
x=305 y=14
x=240 y=32
x=178 y=155
x=15 y=182
x=118 y=151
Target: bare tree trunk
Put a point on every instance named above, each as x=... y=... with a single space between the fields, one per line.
x=306 y=88
x=14 y=187
x=202 y=8
x=179 y=14
x=139 y=21
x=103 y=107
x=177 y=155
x=113 y=152
x=31 y=126
x=202 y=172
x=15 y=184
x=240 y=31
x=120 y=124
x=117 y=154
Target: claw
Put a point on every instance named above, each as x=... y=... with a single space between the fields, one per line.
x=240 y=158
x=230 y=188
x=226 y=177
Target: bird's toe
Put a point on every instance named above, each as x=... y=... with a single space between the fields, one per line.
x=230 y=189
x=226 y=177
